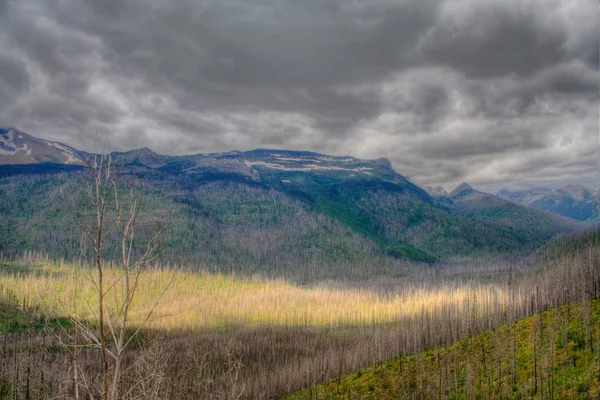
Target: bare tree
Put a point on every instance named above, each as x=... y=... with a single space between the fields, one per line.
x=233 y=387
x=112 y=220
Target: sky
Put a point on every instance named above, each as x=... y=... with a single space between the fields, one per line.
x=498 y=93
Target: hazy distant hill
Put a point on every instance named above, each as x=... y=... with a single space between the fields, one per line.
x=572 y=201
x=436 y=192
x=492 y=210
x=274 y=211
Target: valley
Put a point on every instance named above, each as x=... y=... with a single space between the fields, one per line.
x=272 y=273
x=299 y=200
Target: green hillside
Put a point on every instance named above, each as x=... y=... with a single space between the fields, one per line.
x=297 y=214
x=555 y=357
x=287 y=222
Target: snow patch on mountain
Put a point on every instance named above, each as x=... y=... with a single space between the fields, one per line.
x=67 y=152
x=303 y=167
x=7 y=145
x=26 y=149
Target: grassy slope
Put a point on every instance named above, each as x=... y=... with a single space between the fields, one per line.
x=481 y=367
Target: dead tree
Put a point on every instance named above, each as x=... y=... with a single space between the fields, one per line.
x=111 y=220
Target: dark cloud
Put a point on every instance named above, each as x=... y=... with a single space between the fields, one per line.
x=489 y=91
x=3 y=7
x=491 y=39
x=14 y=80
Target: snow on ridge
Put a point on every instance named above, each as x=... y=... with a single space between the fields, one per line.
x=67 y=152
x=6 y=152
x=26 y=149
x=10 y=138
x=8 y=143
x=344 y=160
x=281 y=158
x=303 y=167
x=319 y=159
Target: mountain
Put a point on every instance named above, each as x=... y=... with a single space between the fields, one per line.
x=298 y=214
x=17 y=147
x=144 y=157
x=489 y=209
x=525 y=197
x=436 y=192
x=462 y=190
x=573 y=201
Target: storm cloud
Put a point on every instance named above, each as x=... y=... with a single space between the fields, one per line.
x=499 y=93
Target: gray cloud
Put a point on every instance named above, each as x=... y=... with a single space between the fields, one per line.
x=491 y=38
x=14 y=80
x=495 y=92
x=3 y=7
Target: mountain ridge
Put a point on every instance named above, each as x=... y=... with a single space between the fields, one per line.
x=577 y=202
x=7 y=139
x=18 y=147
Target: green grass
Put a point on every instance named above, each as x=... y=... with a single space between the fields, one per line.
x=15 y=317
x=481 y=367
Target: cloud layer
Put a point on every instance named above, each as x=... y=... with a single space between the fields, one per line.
x=494 y=92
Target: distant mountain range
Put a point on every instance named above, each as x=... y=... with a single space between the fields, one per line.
x=275 y=211
x=436 y=192
x=572 y=201
x=490 y=209
x=19 y=148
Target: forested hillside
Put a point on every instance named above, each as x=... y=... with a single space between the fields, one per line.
x=305 y=224
x=553 y=355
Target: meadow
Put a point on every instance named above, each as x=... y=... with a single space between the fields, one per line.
x=203 y=300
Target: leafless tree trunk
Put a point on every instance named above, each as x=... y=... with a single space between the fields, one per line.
x=112 y=213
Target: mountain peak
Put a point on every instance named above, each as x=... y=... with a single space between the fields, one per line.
x=384 y=161
x=436 y=192
x=524 y=197
x=578 y=192
x=462 y=189
x=142 y=156
x=141 y=150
